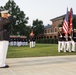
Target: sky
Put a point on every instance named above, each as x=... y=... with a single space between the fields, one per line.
x=43 y=9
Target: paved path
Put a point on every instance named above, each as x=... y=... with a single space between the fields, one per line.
x=53 y=65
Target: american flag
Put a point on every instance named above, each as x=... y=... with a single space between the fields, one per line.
x=71 y=18
x=65 y=24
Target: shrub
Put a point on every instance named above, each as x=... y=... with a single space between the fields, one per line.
x=48 y=41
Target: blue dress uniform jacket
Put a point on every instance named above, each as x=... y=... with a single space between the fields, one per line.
x=4 y=28
x=31 y=38
x=61 y=38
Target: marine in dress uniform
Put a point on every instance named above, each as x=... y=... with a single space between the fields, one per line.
x=23 y=41
x=32 y=40
x=61 y=42
x=19 y=41
x=68 y=44
x=26 y=42
x=73 y=45
x=15 y=42
x=73 y=40
x=11 y=41
x=5 y=21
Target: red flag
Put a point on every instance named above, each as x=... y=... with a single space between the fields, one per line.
x=65 y=24
x=71 y=18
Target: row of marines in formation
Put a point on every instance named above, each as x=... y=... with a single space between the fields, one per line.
x=66 y=45
x=17 y=41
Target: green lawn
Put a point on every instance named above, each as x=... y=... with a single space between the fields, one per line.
x=38 y=51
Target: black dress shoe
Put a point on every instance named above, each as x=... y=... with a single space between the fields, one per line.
x=61 y=51
x=67 y=51
x=72 y=51
x=6 y=66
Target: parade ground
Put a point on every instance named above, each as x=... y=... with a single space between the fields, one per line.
x=50 y=65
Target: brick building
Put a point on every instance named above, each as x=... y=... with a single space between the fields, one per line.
x=56 y=22
x=51 y=31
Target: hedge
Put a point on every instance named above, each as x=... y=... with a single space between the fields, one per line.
x=48 y=41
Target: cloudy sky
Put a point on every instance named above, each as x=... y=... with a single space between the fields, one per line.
x=44 y=9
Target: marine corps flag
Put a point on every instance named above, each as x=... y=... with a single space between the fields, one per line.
x=71 y=23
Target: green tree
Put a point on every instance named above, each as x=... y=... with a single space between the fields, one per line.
x=28 y=30
x=19 y=18
x=38 y=27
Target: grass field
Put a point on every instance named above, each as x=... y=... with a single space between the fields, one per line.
x=38 y=51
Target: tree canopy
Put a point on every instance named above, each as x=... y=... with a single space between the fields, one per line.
x=38 y=27
x=20 y=20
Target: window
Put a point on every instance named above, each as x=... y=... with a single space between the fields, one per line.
x=50 y=36
x=55 y=30
x=45 y=31
x=55 y=37
x=50 y=30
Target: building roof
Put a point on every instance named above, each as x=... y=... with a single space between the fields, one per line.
x=57 y=18
x=60 y=17
x=48 y=26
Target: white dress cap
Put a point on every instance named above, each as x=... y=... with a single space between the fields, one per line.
x=5 y=11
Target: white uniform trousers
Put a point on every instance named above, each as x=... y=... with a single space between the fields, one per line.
x=3 y=52
x=19 y=43
x=61 y=46
x=34 y=43
x=15 y=43
x=31 y=44
x=11 y=43
x=68 y=46
x=26 y=43
x=73 y=46
x=23 y=43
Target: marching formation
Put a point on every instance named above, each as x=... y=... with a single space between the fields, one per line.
x=66 y=34
x=66 y=45
x=18 y=41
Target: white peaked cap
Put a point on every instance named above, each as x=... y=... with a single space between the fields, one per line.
x=5 y=11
